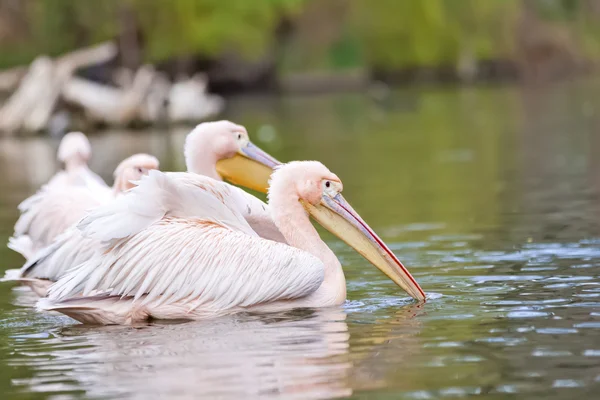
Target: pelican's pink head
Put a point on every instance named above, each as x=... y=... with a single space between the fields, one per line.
x=319 y=191
x=74 y=149
x=222 y=149
x=303 y=180
x=132 y=169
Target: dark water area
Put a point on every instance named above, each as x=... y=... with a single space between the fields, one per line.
x=489 y=195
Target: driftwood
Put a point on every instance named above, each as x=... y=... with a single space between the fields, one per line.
x=111 y=105
x=17 y=109
x=31 y=105
x=144 y=95
x=10 y=78
x=149 y=97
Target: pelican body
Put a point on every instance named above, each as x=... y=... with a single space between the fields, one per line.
x=59 y=205
x=188 y=253
x=211 y=149
x=65 y=198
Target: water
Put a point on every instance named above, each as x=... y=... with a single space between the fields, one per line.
x=489 y=195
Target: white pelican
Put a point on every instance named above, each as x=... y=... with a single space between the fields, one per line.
x=52 y=211
x=43 y=216
x=61 y=203
x=211 y=146
x=74 y=152
x=176 y=247
x=223 y=150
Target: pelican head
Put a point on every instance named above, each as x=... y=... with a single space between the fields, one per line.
x=74 y=149
x=132 y=169
x=222 y=149
x=319 y=191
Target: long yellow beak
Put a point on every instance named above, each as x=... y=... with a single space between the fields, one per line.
x=339 y=218
x=250 y=167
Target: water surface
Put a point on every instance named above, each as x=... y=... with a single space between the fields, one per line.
x=490 y=196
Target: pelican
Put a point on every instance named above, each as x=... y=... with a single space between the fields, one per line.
x=74 y=152
x=55 y=208
x=212 y=149
x=62 y=202
x=222 y=150
x=176 y=247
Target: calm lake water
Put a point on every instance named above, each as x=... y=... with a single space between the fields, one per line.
x=490 y=196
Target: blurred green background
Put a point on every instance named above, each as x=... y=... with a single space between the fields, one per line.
x=392 y=40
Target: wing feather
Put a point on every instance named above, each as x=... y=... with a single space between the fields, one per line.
x=48 y=213
x=156 y=196
x=198 y=262
x=52 y=262
x=159 y=194
x=256 y=212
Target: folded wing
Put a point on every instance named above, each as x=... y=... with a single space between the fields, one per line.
x=47 y=214
x=198 y=263
x=158 y=195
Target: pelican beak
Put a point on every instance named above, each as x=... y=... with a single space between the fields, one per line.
x=250 y=167
x=339 y=218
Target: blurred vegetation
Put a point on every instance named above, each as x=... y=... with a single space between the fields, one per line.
x=168 y=28
x=320 y=34
x=435 y=32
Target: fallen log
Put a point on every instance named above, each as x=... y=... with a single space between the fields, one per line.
x=10 y=78
x=108 y=104
x=32 y=103
x=88 y=56
x=24 y=100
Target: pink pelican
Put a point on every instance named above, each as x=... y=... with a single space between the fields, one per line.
x=53 y=210
x=176 y=247
x=223 y=150
x=74 y=152
x=212 y=149
x=64 y=201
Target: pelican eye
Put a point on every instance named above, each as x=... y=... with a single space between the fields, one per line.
x=327 y=184
x=239 y=136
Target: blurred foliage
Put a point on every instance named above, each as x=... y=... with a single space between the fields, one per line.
x=210 y=26
x=329 y=34
x=168 y=27
x=434 y=32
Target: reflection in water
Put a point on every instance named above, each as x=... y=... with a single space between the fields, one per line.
x=302 y=354
x=490 y=195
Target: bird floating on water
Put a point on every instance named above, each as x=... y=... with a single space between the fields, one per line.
x=65 y=198
x=62 y=202
x=177 y=247
x=211 y=146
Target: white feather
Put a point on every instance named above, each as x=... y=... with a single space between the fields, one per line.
x=256 y=213
x=156 y=195
x=189 y=248
x=47 y=214
x=178 y=194
x=69 y=249
x=200 y=263
x=23 y=245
